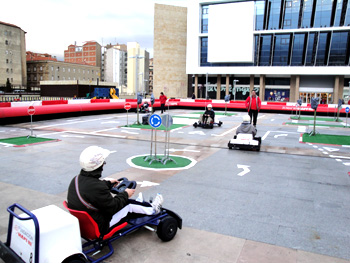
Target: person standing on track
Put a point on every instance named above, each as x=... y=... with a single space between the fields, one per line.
x=162 y=99
x=253 y=105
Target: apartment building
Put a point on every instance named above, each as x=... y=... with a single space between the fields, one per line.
x=89 y=53
x=50 y=70
x=12 y=56
x=114 y=65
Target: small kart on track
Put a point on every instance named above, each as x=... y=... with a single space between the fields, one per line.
x=245 y=141
x=52 y=235
x=207 y=125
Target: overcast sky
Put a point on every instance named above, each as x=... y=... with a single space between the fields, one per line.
x=52 y=25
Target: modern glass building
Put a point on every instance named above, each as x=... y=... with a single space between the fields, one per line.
x=284 y=49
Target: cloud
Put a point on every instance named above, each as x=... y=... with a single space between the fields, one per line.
x=52 y=25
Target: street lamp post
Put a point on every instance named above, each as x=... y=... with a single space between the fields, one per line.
x=137 y=57
x=234 y=88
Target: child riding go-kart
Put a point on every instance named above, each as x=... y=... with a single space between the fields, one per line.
x=206 y=120
x=245 y=136
x=51 y=235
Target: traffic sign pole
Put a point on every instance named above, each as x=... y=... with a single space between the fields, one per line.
x=31 y=111
x=347 y=111
x=127 y=106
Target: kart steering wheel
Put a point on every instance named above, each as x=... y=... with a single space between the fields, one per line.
x=124 y=183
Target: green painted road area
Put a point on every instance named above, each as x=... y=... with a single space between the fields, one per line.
x=25 y=140
x=327 y=139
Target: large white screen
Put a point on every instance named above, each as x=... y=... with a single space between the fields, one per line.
x=230 y=32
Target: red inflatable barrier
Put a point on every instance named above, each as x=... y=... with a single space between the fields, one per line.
x=99 y=100
x=54 y=102
x=5 y=104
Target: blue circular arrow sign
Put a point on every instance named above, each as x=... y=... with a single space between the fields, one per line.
x=347 y=109
x=155 y=120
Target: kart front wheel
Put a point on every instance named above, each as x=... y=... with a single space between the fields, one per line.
x=167 y=228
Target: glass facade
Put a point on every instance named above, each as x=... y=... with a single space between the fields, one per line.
x=325 y=40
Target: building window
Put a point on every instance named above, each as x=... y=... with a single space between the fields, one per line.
x=63 y=70
x=274 y=14
x=73 y=70
x=34 y=78
x=5 y=32
x=6 y=52
x=88 y=72
x=323 y=13
x=34 y=69
x=204 y=25
x=6 y=42
x=259 y=10
x=58 y=69
x=41 y=68
x=52 y=78
x=291 y=14
x=338 y=52
x=281 y=50
x=322 y=54
x=307 y=13
x=311 y=49
x=83 y=71
x=68 y=69
x=265 y=50
x=51 y=68
x=7 y=61
x=298 y=50
x=41 y=77
x=28 y=69
x=8 y=70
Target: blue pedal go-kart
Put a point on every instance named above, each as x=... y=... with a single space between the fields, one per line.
x=52 y=235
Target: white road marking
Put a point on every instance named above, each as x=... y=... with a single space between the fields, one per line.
x=347 y=164
x=331 y=149
x=265 y=135
x=301 y=129
x=72 y=136
x=75 y=122
x=146 y=183
x=278 y=135
x=245 y=169
x=110 y=129
x=197 y=132
x=105 y=122
x=340 y=157
x=226 y=132
x=129 y=132
x=183 y=150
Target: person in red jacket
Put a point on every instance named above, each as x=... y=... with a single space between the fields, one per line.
x=162 y=99
x=253 y=105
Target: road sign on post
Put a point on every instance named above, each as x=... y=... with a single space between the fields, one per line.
x=31 y=112
x=154 y=121
x=127 y=106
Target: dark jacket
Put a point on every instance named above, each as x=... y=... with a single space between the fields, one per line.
x=97 y=193
x=211 y=113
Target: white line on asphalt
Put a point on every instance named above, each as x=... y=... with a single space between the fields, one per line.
x=347 y=164
x=338 y=160
x=129 y=132
x=226 y=132
x=265 y=135
x=341 y=157
x=110 y=129
x=62 y=124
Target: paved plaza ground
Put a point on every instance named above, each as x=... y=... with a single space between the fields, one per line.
x=288 y=202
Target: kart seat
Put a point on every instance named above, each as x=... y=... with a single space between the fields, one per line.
x=88 y=227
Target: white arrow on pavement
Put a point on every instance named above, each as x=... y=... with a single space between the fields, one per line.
x=197 y=132
x=278 y=135
x=147 y=183
x=73 y=136
x=245 y=169
x=330 y=149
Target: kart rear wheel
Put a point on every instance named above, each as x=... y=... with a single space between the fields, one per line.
x=167 y=228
